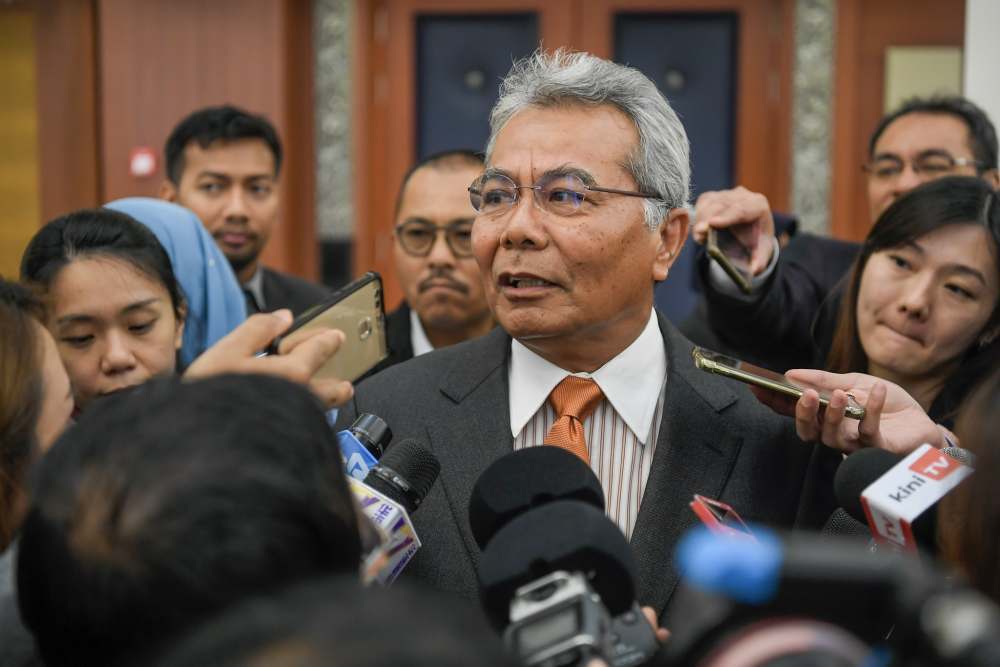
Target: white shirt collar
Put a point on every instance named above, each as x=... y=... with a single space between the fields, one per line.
x=418 y=337
x=630 y=381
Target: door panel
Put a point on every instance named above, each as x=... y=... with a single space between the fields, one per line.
x=460 y=62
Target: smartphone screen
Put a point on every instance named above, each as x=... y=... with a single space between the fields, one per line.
x=357 y=311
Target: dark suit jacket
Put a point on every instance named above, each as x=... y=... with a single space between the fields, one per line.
x=715 y=439
x=779 y=330
x=282 y=290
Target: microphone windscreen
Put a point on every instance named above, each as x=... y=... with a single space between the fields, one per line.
x=563 y=535
x=963 y=456
x=526 y=479
x=842 y=523
x=411 y=463
x=856 y=473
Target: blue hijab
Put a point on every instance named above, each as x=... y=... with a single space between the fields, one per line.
x=215 y=302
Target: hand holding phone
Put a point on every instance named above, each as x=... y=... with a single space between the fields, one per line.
x=723 y=247
x=720 y=364
x=357 y=311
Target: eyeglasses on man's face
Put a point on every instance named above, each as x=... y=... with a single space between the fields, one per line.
x=561 y=194
x=928 y=165
x=417 y=238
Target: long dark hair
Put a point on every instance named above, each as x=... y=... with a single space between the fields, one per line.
x=970 y=539
x=20 y=398
x=99 y=232
x=944 y=201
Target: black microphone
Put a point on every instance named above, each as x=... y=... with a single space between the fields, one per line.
x=555 y=571
x=864 y=467
x=526 y=479
x=391 y=491
x=858 y=471
x=405 y=474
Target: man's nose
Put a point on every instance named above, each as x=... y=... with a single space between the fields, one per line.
x=440 y=253
x=236 y=204
x=524 y=226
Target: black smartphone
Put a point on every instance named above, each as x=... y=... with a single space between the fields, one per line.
x=357 y=310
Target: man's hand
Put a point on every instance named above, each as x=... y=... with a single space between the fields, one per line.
x=746 y=214
x=893 y=419
x=236 y=353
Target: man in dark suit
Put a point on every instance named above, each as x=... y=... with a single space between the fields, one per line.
x=580 y=212
x=223 y=163
x=921 y=140
x=432 y=248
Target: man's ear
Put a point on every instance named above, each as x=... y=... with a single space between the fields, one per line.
x=168 y=190
x=672 y=233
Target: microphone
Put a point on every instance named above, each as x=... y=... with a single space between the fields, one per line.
x=392 y=490
x=555 y=571
x=362 y=444
x=897 y=496
x=526 y=479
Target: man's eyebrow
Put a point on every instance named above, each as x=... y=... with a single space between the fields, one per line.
x=887 y=156
x=569 y=170
x=215 y=174
x=415 y=218
x=496 y=171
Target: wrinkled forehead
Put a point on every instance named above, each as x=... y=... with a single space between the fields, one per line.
x=537 y=140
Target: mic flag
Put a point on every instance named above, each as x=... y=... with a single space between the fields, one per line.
x=894 y=501
x=392 y=520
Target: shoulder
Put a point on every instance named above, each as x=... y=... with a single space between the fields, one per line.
x=283 y=290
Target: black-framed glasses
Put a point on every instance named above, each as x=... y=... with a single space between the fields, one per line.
x=417 y=238
x=930 y=164
x=561 y=194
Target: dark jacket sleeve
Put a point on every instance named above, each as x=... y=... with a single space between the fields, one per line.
x=778 y=326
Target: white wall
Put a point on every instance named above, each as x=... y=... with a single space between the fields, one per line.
x=982 y=55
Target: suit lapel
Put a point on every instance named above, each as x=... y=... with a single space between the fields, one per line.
x=695 y=453
x=475 y=431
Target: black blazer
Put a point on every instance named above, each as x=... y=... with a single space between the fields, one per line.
x=715 y=439
x=282 y=290
x=779 y=329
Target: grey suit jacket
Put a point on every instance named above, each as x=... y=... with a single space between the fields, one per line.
x=715 y=439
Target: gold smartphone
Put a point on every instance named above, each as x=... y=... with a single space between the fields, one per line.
x=355 y=309
x=720 y=364
x=731 y=255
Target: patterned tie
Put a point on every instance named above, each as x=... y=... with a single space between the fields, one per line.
x=573 y=400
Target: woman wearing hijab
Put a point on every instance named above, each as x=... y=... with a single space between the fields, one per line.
x=215 y=303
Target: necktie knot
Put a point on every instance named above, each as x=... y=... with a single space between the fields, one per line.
x=573 y=400
x=575 y=397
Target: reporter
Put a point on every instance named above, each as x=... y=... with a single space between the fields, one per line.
x=112 y=301
x=172 y=501
x=921 y=306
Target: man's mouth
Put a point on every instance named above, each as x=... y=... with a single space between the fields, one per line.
x=523 y=281
x=233 y=238
x=445 y=283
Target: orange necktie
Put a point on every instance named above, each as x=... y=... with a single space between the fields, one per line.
x=573 y=400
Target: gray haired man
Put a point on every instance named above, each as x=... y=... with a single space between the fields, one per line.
x=580 y=211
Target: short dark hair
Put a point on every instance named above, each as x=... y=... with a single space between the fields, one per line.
x=453 y=159
x=938 y=203
x=335 y=623
x=982 y=134
x=99 y=232
x=173 y=501
x=224 y=123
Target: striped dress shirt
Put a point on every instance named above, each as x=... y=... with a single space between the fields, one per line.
x=622 y=431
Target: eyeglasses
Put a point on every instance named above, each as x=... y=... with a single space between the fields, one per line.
x=418 y=238
x=561 y=194
x=929 y=165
